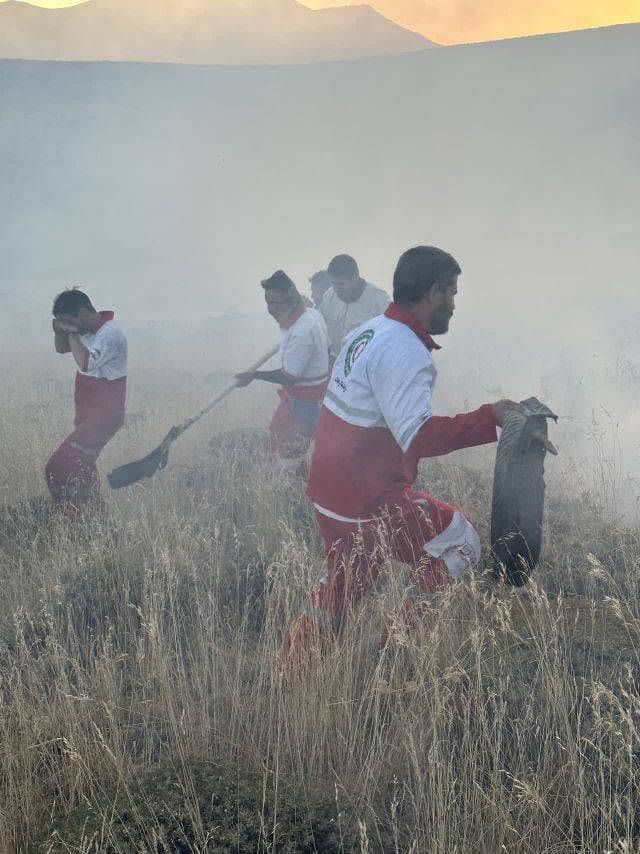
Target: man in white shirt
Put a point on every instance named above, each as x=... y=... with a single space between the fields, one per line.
x=99 y=349
x=349 y=302
x=303 y=375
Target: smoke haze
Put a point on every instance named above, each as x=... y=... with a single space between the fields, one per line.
x=170 y=192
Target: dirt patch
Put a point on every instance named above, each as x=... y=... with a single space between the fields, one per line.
x=203 y=807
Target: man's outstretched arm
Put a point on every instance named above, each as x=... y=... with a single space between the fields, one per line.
x=279 y=377
x=442 y=435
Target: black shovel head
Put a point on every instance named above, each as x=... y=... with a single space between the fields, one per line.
x=140 y=469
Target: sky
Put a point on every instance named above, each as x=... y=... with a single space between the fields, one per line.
x=456 y=21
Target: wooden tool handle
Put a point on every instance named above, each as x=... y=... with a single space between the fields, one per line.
x=223 y=394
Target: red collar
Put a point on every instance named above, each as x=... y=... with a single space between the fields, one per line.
x=403 y=315
x=105 y=317
x=293 y=317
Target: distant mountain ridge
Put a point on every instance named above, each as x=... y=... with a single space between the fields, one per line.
x=235 y=32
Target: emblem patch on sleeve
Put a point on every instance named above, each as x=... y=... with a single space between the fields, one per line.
x=355 y=349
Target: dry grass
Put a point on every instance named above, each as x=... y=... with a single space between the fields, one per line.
x=144 y=642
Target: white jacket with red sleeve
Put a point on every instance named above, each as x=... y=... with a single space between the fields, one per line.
x=376 y=422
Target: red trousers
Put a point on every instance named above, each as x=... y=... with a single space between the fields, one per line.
x=71 y=472
x=432 y=538
x=293 y=425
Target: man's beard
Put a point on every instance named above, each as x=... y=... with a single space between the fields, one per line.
x=440 y=323
x=352 y=293
x=347 y=298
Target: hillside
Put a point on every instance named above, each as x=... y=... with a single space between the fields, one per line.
x=171 y=191
x=198 y=32
x=140 y=708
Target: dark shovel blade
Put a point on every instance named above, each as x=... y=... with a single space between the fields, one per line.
x=140 y=469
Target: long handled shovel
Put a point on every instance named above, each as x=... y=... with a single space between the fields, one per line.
x=158 y=458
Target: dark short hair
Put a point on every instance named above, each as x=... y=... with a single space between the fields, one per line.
x=283 y=284
x=419 y=269
x=71 y=302
x=279 y=281
x=343 y=266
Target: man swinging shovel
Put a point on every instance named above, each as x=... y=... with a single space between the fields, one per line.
x=303 y=376
x=304 y=351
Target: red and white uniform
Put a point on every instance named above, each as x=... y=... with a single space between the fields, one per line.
x=100 y=391
x=375 y=425
x=304 y=354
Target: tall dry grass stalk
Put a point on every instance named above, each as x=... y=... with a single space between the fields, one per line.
x=509 y=722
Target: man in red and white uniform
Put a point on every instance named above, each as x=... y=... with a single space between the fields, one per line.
x=375 y=426
x=99 y=349
x=304 y=353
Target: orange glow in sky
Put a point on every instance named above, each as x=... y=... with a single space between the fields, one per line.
x=455 y=21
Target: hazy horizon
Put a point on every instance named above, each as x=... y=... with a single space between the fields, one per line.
x=457 y=23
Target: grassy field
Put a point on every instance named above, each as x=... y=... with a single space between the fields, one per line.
x=139 y=708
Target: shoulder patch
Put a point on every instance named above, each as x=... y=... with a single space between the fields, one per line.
x=355 y=349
